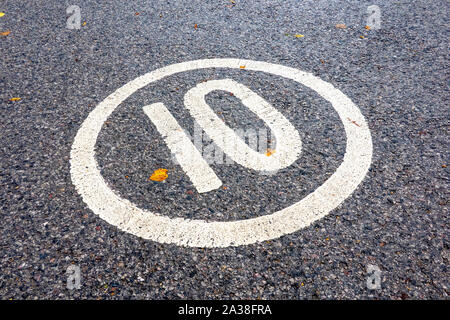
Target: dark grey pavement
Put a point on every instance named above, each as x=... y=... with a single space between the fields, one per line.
x=397 y=219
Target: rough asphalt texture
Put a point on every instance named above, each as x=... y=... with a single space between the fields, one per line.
x=397 y=219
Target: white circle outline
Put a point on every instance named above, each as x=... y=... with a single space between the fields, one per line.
x=199 y=233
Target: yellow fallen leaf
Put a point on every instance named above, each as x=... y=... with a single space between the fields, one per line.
x=298 y=35
x=159 y=175
x=362 y=37
x=84 y=23
x=270 y=152
x=367 y=27
x=195 y=26
x=14 y=99
x=2 y=14
x=242 y=67
x=5 y=33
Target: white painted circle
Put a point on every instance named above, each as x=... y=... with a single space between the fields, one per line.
x=199 y=233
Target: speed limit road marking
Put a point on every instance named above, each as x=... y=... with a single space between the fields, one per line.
x=201 y=175
x=200 y=233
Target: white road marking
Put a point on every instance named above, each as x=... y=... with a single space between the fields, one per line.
x=288 y=140
x=199 y=233
x=190 y=159
x=187 y=155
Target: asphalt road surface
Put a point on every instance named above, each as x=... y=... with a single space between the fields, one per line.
x=379 y=232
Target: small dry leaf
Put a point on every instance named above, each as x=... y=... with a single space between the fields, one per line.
x=6 y=33
x=136 y=13
x=14 y=99
x=84 y=23
x=341 y=26
x=444 y=166
x=195 y=26
x=2 y=14
x=354 y=122
x=242 y=67
x=270 y=152
x=367 y=27
x=362 y=37
x=298 y=35
x=159 y=175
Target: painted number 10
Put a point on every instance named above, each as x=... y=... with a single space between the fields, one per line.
x=196 y=168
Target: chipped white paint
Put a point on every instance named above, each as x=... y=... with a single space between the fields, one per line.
x=187 y=155
x=198 y=233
